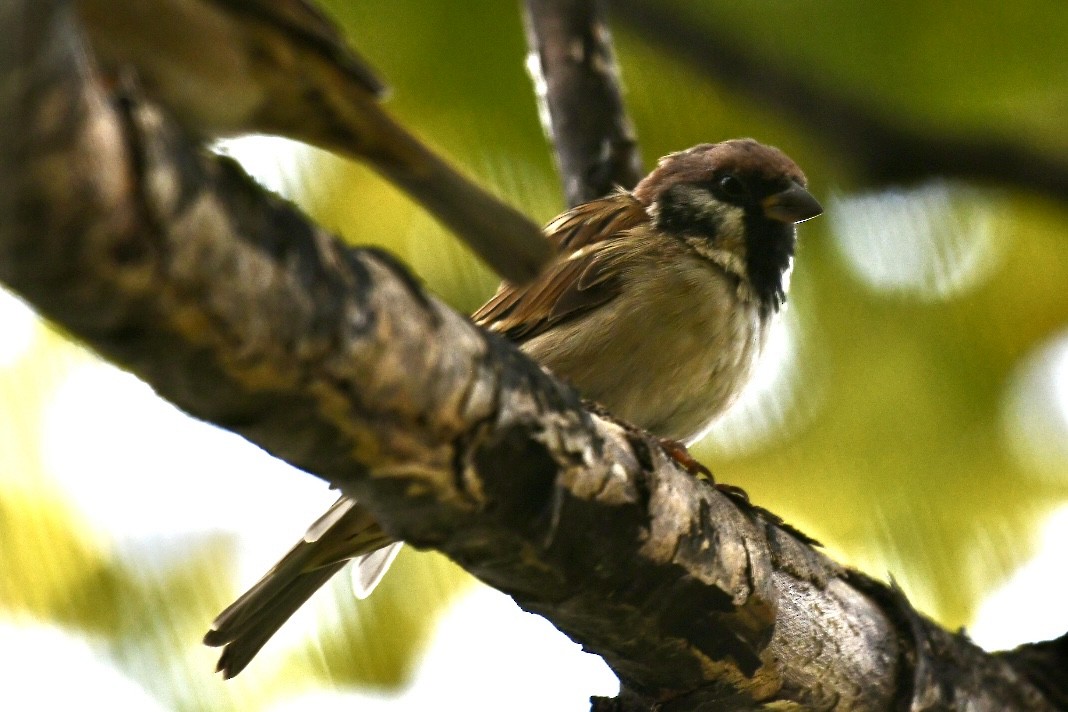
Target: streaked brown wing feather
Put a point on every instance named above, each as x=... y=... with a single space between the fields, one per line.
x=595 y=221
x=579 y=280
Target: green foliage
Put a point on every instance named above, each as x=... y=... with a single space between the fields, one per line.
x=896 y=449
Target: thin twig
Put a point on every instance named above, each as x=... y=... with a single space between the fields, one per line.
x=576 y=78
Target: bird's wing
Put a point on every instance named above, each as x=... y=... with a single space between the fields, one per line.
x=580 y=278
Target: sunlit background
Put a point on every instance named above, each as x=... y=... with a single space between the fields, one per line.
x=912 y=413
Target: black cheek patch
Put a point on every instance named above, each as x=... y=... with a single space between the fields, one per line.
x=678 y=214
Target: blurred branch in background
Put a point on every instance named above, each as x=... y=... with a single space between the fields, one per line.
x=580 y=100
x=881 y=150
x=262 y=66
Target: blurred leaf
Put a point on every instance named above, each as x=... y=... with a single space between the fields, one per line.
x=893 y=451
x=377 y=642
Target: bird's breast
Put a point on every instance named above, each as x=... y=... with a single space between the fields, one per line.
x=669 y=354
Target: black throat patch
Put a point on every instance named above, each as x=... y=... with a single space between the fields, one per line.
x=686 y=211
x=769 y=251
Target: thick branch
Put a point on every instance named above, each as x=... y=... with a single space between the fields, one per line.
x=880 y=149
x=579 y=97
x=230 y=304
x=1044 y=665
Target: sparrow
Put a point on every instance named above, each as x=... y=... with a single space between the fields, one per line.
x=656 y=308
x=230 y=67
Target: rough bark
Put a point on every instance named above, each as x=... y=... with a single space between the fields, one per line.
x=228 y=302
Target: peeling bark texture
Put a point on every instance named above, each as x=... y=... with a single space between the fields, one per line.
x=173 y=264
x=580 y=99
x=880 y=149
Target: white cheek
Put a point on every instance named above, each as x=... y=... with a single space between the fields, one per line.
x=731 y=219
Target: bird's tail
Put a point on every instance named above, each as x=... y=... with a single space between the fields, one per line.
x=345 y=532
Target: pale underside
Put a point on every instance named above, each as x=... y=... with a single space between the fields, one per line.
x=689 y=346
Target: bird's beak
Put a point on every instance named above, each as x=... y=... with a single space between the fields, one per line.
x=793 y=205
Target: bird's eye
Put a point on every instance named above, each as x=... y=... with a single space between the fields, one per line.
x=732 y=187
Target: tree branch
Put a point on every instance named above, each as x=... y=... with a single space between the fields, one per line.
x=1043 y=664
x=230 y=304
x=879 y=149
x=579 y=97
x=226 y=67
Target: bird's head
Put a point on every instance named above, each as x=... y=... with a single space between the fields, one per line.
x=736 y=204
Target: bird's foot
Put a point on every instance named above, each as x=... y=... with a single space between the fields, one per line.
x=680 y=454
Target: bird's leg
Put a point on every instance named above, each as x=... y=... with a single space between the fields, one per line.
x=674 y=449
x=678 y=452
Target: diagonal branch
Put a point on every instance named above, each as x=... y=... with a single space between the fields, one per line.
x=229 y=303
x=879 y=149
x=579 y=97
x=225 y=67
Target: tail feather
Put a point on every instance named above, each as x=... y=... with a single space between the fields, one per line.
x=244 y=637
x=370 y=568
x=347 y=531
